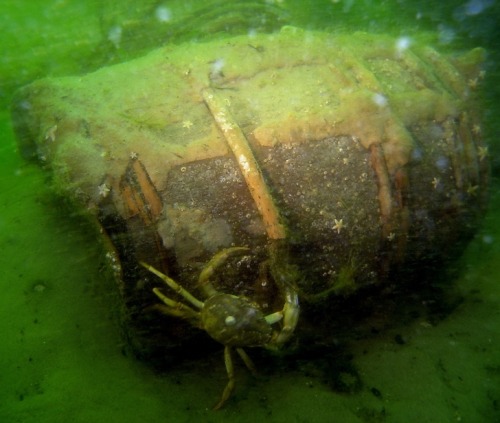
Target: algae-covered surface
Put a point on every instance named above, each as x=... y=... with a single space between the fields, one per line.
x=62 y=355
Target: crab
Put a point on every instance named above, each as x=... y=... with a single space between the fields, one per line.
x=234 y=321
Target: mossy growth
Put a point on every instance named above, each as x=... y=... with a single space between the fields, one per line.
x=345 y=283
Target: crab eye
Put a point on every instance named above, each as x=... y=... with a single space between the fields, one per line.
x=230 y=321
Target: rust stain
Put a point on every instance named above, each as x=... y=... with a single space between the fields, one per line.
x=384 y=187
x=139 y=193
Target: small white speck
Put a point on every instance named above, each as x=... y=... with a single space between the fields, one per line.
x=39 y=287
x=442 y=163
x=488 y=239
x=115 y=35
x=244 y=163
x=446 y=34
x=163 y=14
x=217 y=66
x=402 y=44
x=380 y=99
x=230 y=321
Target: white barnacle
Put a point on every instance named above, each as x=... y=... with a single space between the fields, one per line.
x=245 y=166
x=51 y=133
x=103 y=190
x=435 y=182
x=339 y=225
x=226 y=126
x=187 y=124
x=482 y=153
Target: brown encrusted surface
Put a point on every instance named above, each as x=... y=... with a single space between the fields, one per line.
x=293 y=86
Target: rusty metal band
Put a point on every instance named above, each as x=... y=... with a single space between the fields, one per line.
x=247 y=163
x=139 y=193
x=384 y=187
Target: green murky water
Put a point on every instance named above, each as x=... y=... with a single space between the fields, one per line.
x=61 y=354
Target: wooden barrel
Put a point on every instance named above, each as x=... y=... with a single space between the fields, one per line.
x=361 y=157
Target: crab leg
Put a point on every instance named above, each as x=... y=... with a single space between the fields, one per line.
x=216 y=261
x=247 y=360
x=175 y=308
x=174 y=285
x=290 y=315
x=274 y=317
x=285 y=277
x=230 y=374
